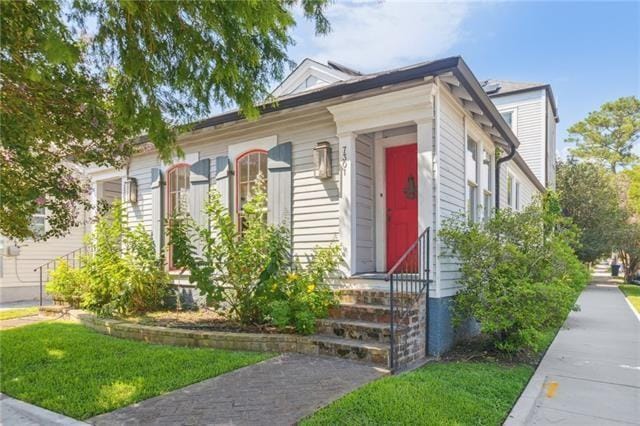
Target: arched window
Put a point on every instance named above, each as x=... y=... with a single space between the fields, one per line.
x=177 y=191
x=248 y=166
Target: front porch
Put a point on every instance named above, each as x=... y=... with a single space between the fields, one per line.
x=385 y=183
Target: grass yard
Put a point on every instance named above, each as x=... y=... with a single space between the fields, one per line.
x=633 y=294
x=440 y=393
x=18 y=312
x=70 y=369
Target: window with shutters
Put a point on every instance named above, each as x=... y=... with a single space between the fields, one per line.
x=249 y=166
x=177 y=195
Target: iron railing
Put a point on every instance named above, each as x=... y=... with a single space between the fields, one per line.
x=74 y=259
x=409 y=280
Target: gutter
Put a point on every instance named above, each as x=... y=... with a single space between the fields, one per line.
x=499 y=161
x=454 y=64
x=344 y=88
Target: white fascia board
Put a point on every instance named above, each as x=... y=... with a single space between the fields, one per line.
x=306 y=69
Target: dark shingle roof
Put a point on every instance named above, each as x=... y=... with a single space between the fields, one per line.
x=502 y=87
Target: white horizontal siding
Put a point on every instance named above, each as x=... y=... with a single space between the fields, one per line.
x=528 y=190
x=315 y=202
x=365 y=225
x=17 y=271
x=551 y=147
x=529 y=126
x=452 y=183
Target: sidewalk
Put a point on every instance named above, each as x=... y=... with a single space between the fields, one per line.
x=591 y=373
x=19 y=413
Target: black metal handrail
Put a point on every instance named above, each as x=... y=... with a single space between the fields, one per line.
x=409 y=280
x=73 y=258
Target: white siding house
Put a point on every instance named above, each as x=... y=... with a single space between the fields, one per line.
x=18 y=280
x=530 y=109
x=410 y=148
x=20 y=262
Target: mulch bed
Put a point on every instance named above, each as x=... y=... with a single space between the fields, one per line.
x=480 y=349
x=204 y=319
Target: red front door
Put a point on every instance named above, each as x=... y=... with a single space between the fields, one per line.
x=402 y=200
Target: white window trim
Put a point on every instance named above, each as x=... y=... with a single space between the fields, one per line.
x=516 y=192
x=490 y=190
x=514 y=117
x=477 y=184
x=236 y=150
x=508 y=190
x=45 y=222
x=191 y=159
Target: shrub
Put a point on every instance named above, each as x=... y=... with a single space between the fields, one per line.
x=519 y=274
x=67 y=284
x=123 y=273
x=304 y=294
x=250 y=273
x=147 y=284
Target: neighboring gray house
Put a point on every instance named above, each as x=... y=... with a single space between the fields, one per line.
x=368 y=161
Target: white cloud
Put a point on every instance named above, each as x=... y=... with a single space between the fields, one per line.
x=373 y=36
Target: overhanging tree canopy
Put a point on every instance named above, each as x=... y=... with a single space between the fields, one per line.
x=81 y=79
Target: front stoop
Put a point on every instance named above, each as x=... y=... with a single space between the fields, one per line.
x=358 y=328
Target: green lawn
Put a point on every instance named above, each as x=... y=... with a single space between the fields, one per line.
x=17 y=313
x=70 y=369
x=633 y=294
x=440 y=393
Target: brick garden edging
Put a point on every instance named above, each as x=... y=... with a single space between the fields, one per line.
x=180 y=337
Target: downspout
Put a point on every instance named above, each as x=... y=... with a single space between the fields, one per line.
x=499 y=161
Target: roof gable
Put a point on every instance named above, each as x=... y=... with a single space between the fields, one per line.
x=309 y=75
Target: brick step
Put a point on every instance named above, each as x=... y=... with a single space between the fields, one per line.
x=366 y=331
x=361 y=312
x=370 y=297
x=375 y=353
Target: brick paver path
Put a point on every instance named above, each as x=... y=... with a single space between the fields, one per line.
x=279 y=391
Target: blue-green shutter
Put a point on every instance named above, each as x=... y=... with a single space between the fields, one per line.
x=279 y=185
x=224 y=181
x=157 y=208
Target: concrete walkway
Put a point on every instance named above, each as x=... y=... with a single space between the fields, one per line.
x=19 y=322
x=591 y=373
x=279 y=391
x=19 y=413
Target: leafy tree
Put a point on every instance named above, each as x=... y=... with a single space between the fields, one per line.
x=628 y=235
x=632 y=184
x=628 y=244
x=82 y=79
x=589 y=195
x=608 y=135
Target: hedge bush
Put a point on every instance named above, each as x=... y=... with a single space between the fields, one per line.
x=519 y=275
x=67 y=284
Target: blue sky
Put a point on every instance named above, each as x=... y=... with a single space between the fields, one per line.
x=588 y=51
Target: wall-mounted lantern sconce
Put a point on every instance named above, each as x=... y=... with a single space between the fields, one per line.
x=322 y=160
x=131 y=190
